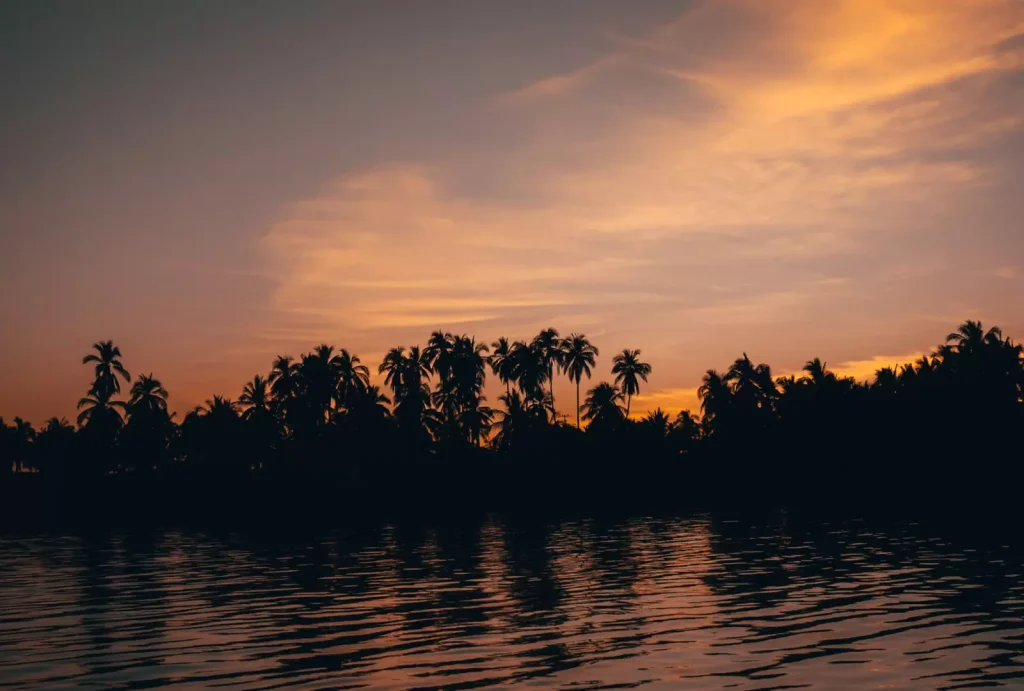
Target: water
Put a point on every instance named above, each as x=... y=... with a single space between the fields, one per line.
x=684 y=603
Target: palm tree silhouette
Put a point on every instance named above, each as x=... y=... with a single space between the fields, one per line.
x=461 y=365
x=516 y=421
x=603 y=406
x=370 y=403
x=628 y=371
x=469 y=366
x=22 y=437
x=284 y=384
x=108 y=367
x=98 y=408
x=353 y=377
x=220 y=407
x=509 y=421
x=283 y=378
x=318 y=384
x=530 y=370
x=147 y=394
x=926 y=365
x=962 y=401
x=886 y=379
x=578 y=356
x=816 y=370
x=392 y=366
x=548 y=348
x=657 y=422
x=715 y=397
x=54 y=447
x=255 y=397
x=144 y=440
x=474 y=420
x=438 y=354
x=57 y=424
x=407 y=375
x=502 y=363
x=754 y=389
x=970 y=336
x=686 y=430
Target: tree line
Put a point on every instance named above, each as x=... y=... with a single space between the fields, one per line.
x=436 y=400
x=320 y=413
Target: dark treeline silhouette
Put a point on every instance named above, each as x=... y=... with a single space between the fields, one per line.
x=946 y=427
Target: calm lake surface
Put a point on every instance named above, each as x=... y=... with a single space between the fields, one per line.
x=694 y=603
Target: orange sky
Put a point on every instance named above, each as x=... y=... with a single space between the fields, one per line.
x=213 y=186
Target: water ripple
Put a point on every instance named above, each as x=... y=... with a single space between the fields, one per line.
x=661 y=603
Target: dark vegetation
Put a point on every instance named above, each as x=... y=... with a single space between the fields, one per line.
x=314 y=433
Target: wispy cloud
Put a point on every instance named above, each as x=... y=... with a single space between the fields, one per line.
x=562 y=84
x=774 y=154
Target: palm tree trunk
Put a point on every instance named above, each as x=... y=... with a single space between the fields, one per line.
x=577 y=404
x=629 y=399
x=551 y=380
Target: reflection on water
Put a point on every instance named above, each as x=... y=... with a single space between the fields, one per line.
x=683 y=603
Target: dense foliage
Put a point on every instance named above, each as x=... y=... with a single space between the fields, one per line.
x=951 y=419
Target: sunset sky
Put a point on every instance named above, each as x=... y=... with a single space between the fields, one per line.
x=210 y=184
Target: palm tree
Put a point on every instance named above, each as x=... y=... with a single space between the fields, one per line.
x=578 y=356
x=657 y=423
x=283 y=378
x=318 y=384
x=392 y=366
x=817 y=371
x=461 y=365
x=502 y=363
x=353 y=377
x=97 y=409
x=971 y=336
x=474 y=419
x=446 y=400
x=754 y=388
x=145 y=439
x=22 y=437
x=108 y=367
x=515 y=421
x=768 y=393
x=628 y=371
x=926 y=365
x=685 y=430
x=530 y=370
x=438 y=353
x=715 y=396
x=255 y=397
x=509 y=420
x=213 y=431
x=147 y=395
x=54 y=445
x=468 y=370
x=886 y=379
x=370 y=403
x=57 y=424
x=220 y=407
x=603 y=406
x=548 y=347
x=407 y=375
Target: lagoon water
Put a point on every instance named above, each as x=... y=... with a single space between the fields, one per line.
x=693 y=602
